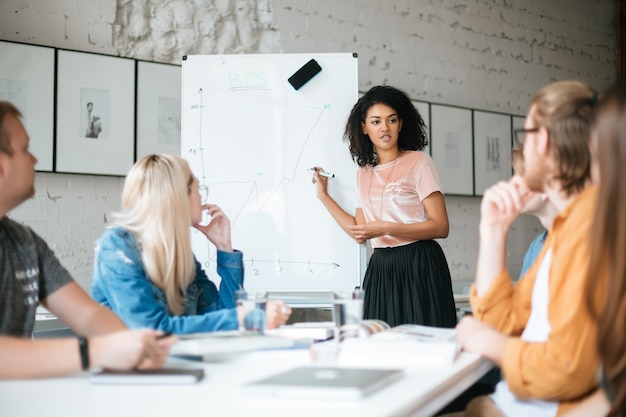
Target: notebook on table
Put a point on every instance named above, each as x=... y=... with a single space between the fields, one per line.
x=148 y=377
x=324 y=382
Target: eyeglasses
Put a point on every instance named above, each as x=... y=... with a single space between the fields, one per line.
x=203 y=190
x=520 y=134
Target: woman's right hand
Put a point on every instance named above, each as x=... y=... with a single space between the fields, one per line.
x=320 y=182
x=218 y=228
x=277 y=313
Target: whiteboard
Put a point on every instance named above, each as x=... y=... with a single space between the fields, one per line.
x=250 y=137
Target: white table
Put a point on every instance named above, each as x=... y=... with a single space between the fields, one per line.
x=422 y=392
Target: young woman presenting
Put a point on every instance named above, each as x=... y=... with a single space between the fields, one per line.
x=400 y=210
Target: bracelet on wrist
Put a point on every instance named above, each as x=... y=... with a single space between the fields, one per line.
x=83 y=348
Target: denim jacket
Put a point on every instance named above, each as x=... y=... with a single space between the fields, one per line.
x=120 y=282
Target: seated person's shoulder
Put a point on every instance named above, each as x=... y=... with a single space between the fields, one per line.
x=117 y=232
x=17 y=231
x=116 y=238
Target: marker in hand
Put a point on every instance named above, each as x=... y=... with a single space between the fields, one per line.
x=322 y=173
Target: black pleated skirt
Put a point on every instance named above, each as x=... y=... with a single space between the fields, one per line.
x=409 y=284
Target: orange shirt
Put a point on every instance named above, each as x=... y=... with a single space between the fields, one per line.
x=394 y=192
x=564 y=367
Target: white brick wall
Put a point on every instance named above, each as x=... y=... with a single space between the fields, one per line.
x=70 y=211
x=484 y=54
x=470 y=53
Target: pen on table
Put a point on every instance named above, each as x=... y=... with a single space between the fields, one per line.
x=322 y=173
x=164 y=335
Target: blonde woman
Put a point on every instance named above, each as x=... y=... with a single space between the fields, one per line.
x=145 y=270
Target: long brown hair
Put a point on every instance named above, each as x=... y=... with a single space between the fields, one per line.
x=606 y=284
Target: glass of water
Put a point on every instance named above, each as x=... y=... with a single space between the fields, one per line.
x=347 y=313
x=253 y=303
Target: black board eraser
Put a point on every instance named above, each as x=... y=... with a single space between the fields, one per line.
x=304 y=74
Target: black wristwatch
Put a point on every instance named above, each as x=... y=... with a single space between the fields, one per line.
x=83 y=347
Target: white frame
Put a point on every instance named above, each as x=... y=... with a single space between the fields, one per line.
x=33 y=65
x=492 y=149
x=235 y=102
x=155 y=82
x=451 y=148
x=113 y=78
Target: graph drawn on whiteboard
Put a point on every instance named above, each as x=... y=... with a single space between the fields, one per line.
x=250 y=137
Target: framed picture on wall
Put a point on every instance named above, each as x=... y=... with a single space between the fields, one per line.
x=96 y=113
x=451 y=148
x=423 y=109
x=492 y=149
x=158 y=108
x=27 y=81
x=517 y=122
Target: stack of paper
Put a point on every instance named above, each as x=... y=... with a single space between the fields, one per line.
x=224 y=345
x=323 y=330
x=305 y=331
x=402 y=346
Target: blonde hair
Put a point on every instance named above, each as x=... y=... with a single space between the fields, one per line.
x=156 y=210
x=565 y=109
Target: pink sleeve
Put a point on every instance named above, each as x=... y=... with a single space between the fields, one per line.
x=427 y=178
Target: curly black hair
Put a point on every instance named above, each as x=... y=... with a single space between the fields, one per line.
x=412 y=136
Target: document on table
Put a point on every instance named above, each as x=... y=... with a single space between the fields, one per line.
x=408 y=345
x=217 y=345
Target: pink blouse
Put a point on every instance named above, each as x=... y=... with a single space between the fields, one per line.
x=394 y=192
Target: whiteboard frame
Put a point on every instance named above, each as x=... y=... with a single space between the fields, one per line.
x=189 y=147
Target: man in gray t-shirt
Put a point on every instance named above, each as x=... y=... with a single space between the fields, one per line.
x=30 y=274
